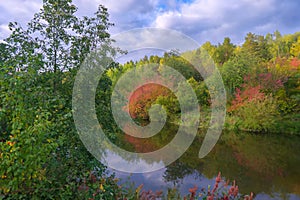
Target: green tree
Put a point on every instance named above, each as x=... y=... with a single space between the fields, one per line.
x=201 y=91
x=258 y=115
x=208 y=47
x=41 y=152
x=3 y=54
x=224 y=51
x=281 y=46
x=234 y=71
x=56 y=39
x=258 y=46
x=180 y=64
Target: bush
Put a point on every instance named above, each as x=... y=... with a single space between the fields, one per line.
x=258 y=114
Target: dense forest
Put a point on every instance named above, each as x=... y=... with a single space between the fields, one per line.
x=42 y=156
x=261 y=78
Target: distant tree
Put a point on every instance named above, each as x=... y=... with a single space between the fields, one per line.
x=224 y=51
x=295 y=49
x=180 y=64
x=209 y=48
x=282 y=46
x=234 y=71
x=258 y=46
x=154 y=59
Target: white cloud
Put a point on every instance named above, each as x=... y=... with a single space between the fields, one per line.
x=201 y=19
x=160 y=39
x=16 y=11
x=215 y=19
x=130 y=14
x=19 y=8
x=4 y=31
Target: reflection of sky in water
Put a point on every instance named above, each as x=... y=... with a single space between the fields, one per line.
x=112 y=159
x=155 y=181
x=277 y=196
x=257 y=172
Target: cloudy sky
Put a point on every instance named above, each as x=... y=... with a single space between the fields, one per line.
x=202 y=20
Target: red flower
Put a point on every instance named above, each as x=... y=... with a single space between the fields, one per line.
x=193 y=191
x=218 y=179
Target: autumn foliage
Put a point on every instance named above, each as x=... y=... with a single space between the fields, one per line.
x=143 y=97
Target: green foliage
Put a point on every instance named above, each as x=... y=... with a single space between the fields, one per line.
x=234 y=71
x=258 y=115
x=171 y=106
x=41 y=154
x=223 y=52
x=56 y=39
x=258 y=46
x=295 y=49
x=263 y=62
x=23 y=155
x=209 y=48
x=201 y=91
x=181 y=65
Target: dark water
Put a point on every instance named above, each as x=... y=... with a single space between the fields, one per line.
x=268 y=165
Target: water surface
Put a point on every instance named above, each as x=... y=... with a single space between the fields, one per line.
x=265 y=164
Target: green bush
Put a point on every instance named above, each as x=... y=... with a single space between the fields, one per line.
x=258 y=114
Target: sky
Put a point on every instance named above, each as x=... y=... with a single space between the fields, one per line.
x=202 y=20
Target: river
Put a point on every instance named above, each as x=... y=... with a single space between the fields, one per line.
x=266 y=164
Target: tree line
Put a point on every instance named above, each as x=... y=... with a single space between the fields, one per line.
x=41 y=153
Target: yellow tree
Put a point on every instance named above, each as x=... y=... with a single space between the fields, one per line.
x=295 y=49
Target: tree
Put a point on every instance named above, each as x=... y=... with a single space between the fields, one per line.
x=40 y=149
x=295 y=49
x=180 y=64
x=258 y=46
x=224 y=51
x=3 y=54
x=283 y=46
x=208 y=47
x=255 y=110
x=234 y=71
x=56 y=38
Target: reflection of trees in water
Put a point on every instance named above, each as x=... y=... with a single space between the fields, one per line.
x=259 y=163
x=267 y=163
x=177 y=171
x=143 y=145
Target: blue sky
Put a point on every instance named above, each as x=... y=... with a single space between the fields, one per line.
x=202 y=20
